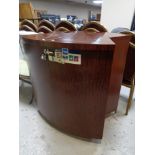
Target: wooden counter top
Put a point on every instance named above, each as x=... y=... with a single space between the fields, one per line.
x=85 y=39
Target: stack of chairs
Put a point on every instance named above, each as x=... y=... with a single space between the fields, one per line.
x=45 y=27
x=28 y=25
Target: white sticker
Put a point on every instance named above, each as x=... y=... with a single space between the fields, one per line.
x=58 y=57
x=62 y=56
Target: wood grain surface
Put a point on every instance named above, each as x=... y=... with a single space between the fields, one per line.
x=75 y=98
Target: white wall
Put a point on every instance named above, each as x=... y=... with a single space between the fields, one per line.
x=63 y=8
x=117 y=13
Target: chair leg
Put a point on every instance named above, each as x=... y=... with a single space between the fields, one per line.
x=32 y=98
x=21 y=85
x=130 y=98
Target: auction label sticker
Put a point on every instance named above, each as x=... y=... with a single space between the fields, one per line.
x=73 y=59
x=50 y=58
x=62 y=55
x=65 y=51
x=58 y=56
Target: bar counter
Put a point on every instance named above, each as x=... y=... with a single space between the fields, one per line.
x=76 y=78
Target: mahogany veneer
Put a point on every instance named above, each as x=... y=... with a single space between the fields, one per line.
x=76 y=98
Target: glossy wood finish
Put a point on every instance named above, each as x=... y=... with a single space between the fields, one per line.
x=95 y=25
x=67 y=25
x=47 y=24
x=73 y=98
x=118 y=66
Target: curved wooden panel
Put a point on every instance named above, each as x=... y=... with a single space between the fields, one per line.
x=72 y=97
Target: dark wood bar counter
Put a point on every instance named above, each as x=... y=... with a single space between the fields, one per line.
x=76 y=78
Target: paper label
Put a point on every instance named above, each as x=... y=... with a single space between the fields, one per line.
x=63 y=55
x=73 y=59
x=58 y=57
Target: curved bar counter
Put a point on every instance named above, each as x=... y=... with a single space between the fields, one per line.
x=78 y=87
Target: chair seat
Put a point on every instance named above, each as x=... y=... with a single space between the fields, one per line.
x=23 y=68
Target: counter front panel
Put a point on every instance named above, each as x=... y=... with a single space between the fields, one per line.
x=71 y=79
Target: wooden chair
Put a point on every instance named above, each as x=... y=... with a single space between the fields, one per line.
x=66 y=25
x=48 y=24
x=44 y=29
x=129 y=71
x=26 y=28
x=130 y=33
x=95 y=25
x=30 y=24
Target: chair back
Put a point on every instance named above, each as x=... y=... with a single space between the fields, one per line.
x=63 y=29
x=30 y=24
x=48 y=24
x=132 y=35
x=95 y=25
x=91 y=30
x=66 y=25
x=129 y=70
x=44 y=29
x=26 y=28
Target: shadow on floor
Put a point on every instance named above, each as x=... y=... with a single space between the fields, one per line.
x=25 y=92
